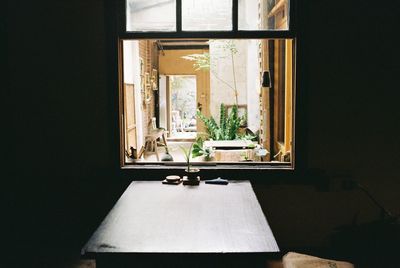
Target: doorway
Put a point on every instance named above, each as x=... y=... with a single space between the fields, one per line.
x=182 y=107
x=178 y=75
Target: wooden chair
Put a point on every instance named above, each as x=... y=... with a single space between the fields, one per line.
x=152 y=137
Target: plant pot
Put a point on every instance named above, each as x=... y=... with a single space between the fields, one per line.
x=191 y=177
x=192 y=174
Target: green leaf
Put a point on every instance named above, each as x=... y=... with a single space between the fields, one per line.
x=198 y=147
x=228 y=127
x=201 y=61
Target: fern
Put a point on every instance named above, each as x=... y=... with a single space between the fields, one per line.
x=228 y=125
x=222 y=120
x=211 y=126
x=233 y=124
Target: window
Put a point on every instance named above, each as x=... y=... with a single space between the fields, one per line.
x=153 y=15
x=270 y=15
x=201 y=15
x=216 y=78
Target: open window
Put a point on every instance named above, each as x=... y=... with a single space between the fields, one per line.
x=213 y=77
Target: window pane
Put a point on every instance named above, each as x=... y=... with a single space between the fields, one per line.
x=213 y=93
x=263 y=15
x=206 y=15
x=151 y=15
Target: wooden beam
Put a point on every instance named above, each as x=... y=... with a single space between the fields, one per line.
x=277 y=8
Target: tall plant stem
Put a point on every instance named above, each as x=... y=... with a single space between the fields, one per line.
x=216 y=76
x=234 y=79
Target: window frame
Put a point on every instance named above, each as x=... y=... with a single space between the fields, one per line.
x=120 y=34
x=235 y=33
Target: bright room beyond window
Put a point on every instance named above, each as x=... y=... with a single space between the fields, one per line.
x=214 y=94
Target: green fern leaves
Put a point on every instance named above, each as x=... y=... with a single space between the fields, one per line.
x=228 y=124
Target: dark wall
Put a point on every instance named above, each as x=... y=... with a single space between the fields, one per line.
x=350 y=63
x=63 y=181
x=63 y=176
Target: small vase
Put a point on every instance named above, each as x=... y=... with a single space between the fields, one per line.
x=192 y=174
x=191 y=177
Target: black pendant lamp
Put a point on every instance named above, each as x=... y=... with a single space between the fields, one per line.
x=266 y=80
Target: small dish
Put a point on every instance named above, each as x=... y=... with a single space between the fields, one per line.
x=173 y=178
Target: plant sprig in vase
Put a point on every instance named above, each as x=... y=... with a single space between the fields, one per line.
x=191 y=173
x=187 y=154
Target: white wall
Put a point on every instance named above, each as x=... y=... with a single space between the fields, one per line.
x=132 y=76
x=250 y=11
x=221 y=64
x=253 y=86
x=128 y=62
x=247 y=79
x=163 y=101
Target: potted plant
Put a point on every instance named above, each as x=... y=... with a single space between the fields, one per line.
x=199 y=149
x=190 y=172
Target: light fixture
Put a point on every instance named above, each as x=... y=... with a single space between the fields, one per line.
x=266 y=81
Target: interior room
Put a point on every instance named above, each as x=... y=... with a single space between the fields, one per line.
x=172 y=88
x=69 y=154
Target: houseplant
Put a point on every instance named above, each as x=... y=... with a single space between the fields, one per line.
x=190 y=172
x=228 y=127
x=199 y=149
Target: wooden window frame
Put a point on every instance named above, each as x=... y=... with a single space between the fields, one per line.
x=118 y=33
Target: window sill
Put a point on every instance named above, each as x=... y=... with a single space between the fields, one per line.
x=210 y=166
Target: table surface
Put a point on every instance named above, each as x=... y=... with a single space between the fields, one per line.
x=151 y=217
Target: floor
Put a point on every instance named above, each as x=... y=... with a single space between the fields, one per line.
x=183 y=136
